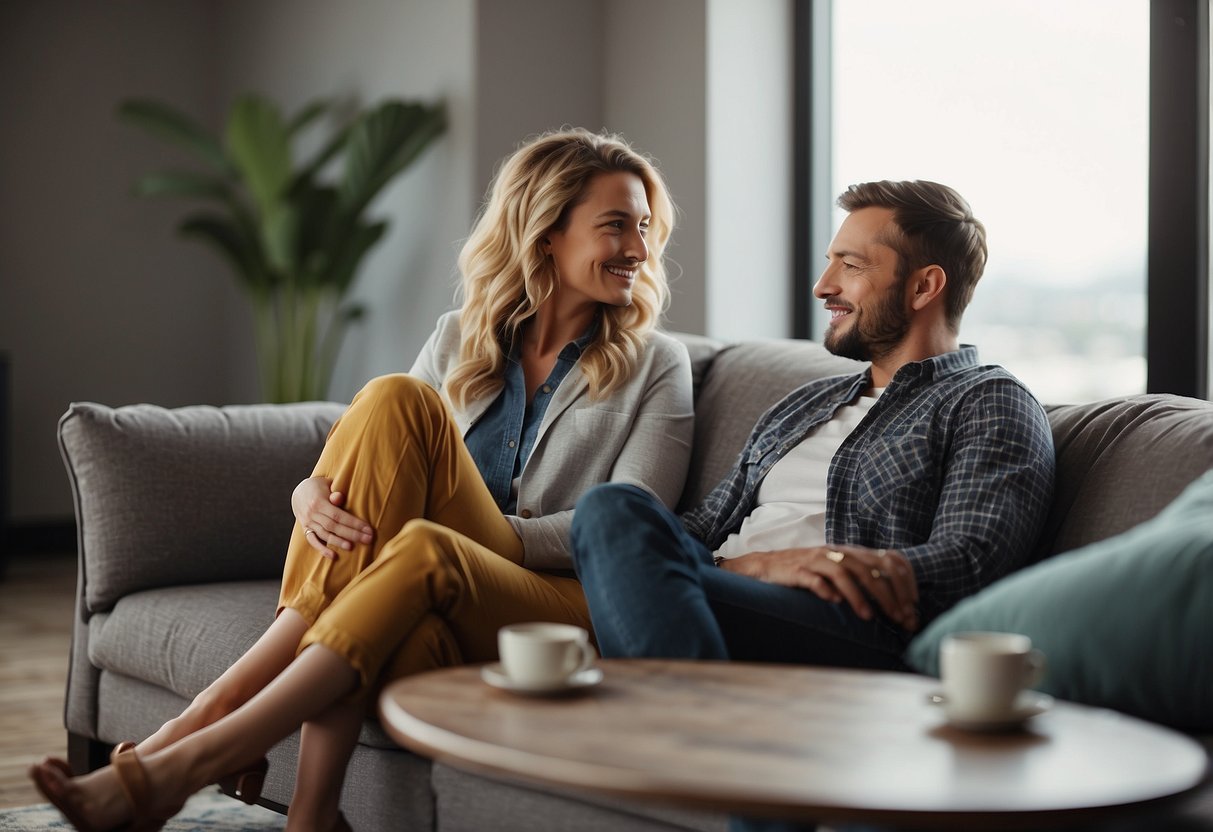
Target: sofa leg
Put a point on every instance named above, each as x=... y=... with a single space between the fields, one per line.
x=85 y=754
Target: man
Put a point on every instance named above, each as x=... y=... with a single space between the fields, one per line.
x=860 y=507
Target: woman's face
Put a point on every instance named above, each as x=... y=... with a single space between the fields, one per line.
x=598 y=254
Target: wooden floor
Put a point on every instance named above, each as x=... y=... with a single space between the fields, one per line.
x=36 y=598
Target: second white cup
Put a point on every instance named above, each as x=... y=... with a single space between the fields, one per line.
x=543 y=654
x=983 y=673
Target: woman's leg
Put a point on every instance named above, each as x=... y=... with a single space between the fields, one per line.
x=397 y=455
x=309 y=687
x=269 y=656
x=429 y=572
x=325 y=746
x=327 y=742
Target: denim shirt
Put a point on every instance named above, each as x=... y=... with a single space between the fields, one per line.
x=953 y=467
x=502 y=438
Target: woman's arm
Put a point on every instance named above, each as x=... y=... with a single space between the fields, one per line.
x=655 y=454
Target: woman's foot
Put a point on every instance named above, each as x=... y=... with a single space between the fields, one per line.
x=244 y=785
x=121 y=795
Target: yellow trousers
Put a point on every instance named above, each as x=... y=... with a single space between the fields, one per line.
x=444 y=571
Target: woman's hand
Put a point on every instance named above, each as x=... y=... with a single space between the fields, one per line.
x=326 y=525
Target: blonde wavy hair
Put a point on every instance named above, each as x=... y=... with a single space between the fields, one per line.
x=506 y=275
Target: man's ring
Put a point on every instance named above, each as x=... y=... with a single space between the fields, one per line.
x=876 y=573
x=835 y=555
x=880 y=553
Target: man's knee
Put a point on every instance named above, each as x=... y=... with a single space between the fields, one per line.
x=607 y=500
x=601 y=510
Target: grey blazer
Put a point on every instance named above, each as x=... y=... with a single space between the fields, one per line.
x=640 y=434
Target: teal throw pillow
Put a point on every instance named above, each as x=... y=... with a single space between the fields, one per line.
x=1125 y=623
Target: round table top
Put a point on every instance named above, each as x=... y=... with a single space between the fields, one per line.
x=789 y=741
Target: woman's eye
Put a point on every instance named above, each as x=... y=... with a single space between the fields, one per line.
x=644 y=230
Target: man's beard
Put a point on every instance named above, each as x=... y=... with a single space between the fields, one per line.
x=875 y=332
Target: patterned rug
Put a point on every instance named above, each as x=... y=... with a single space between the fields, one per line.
x=207 y=811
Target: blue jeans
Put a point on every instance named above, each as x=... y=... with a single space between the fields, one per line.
x=654 y=592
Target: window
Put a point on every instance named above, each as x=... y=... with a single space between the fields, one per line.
x=1038 y=113
x=1041 y=115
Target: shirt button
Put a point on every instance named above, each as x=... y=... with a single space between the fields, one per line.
x=525 y=514
x=547 y=388
x=512 y=443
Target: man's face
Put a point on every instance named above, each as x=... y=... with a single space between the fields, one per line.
x=865 y=299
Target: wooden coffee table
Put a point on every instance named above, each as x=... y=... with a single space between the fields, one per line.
x=796 y=742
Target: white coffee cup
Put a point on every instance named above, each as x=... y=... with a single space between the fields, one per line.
x=983 y=673
x=541 y=654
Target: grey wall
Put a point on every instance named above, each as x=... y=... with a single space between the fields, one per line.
x=99 y=300
x=656 y=94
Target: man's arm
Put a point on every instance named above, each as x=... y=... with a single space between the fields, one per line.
x=995 y=497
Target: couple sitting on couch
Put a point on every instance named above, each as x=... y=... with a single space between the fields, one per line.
x=442 y=506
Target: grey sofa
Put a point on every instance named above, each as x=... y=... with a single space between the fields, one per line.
x=183 y=515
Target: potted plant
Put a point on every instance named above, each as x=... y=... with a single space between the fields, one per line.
x=293 y=232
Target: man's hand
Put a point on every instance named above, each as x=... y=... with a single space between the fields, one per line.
x=853 y=574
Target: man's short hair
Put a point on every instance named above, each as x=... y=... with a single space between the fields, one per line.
x=937 y=228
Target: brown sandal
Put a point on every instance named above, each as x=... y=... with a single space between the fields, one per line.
x=52 y=776
x=244 y=785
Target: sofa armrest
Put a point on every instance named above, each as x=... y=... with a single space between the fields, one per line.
x=187 y=495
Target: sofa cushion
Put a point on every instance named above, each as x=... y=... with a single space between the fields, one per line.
x=742 y=382
x=167 y=497
x=1120 y=461
x=182 y=638
x=1125 y=623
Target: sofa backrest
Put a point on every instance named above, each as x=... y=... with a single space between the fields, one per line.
x=188 y=495
x=734 y=385
x=1118 y=461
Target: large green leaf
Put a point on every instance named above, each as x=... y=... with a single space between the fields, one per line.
x=355 y=245
x=306 y=175
x=164 y=121
x=234 y=244
x=226 y=237
x=306 y=116
x=382 y=144
x=279 y=235
x=258 y=140
x=316 y=207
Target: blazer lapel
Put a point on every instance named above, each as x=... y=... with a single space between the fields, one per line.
x=569 y=391
x=464 y=419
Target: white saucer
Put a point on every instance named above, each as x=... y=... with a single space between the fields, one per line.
x=1028 y=704
x=494 y=674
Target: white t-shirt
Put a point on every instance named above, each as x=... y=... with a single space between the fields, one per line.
x=791 y=508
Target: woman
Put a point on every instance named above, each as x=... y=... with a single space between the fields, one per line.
x=440 y=494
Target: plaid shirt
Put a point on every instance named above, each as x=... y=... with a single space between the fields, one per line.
x=953 y=467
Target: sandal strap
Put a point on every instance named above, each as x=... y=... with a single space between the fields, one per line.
x=121 y=748
x=133 y=780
